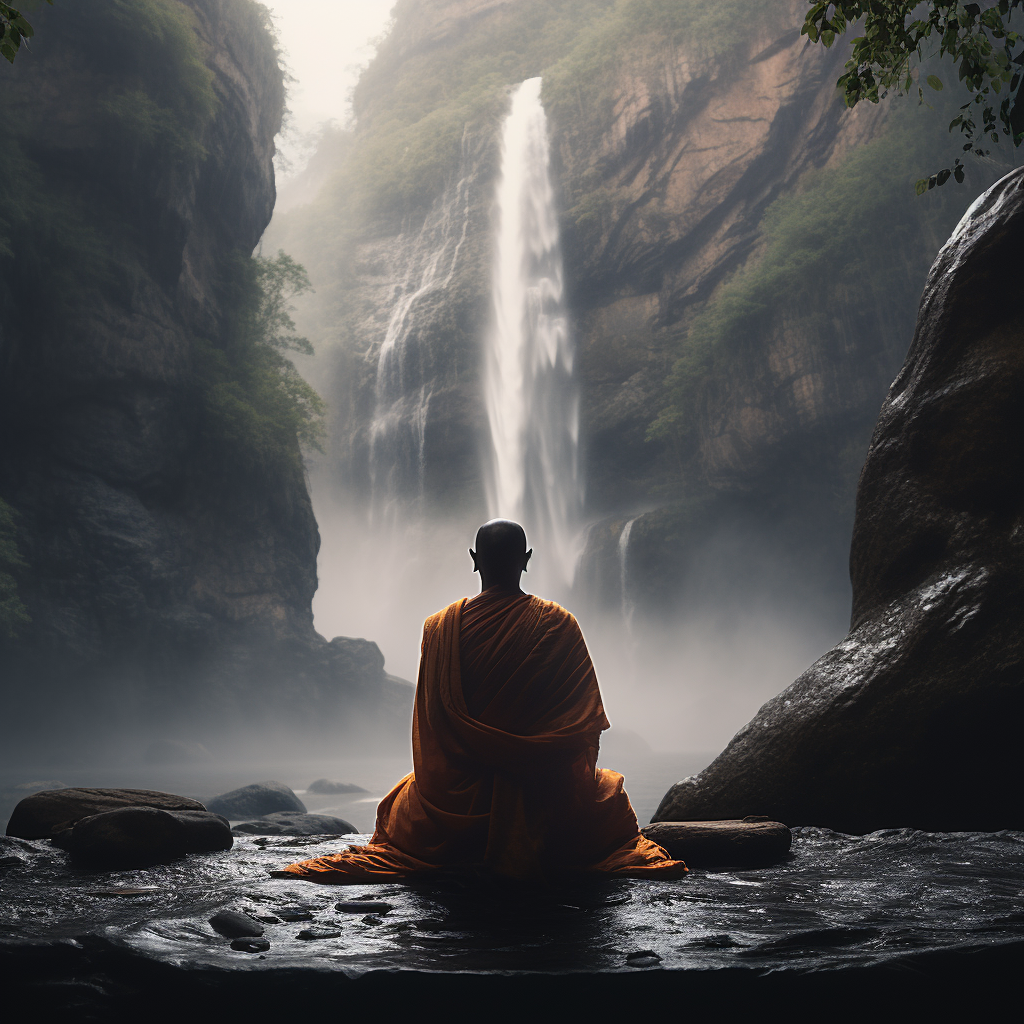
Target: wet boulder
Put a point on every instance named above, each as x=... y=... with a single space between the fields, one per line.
x=328 y=787
x=234 y=925
x=255 y=801
x=913 y=719
x=294 y=823
x=38 y=816
x=131 y=837
x=731 y=843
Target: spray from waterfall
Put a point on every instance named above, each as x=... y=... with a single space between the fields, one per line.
x=532 y=472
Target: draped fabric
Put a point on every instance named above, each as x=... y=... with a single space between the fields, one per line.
x=506 y=727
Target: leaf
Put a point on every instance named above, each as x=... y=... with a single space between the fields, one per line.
x=943 y=176
x=921 y=186
x=958 y=173
x=935 y=82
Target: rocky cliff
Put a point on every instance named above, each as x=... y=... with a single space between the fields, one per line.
x=168 y=565
x=736 y=320
x=912 y=719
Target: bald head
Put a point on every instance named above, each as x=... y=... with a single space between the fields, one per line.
x=501 y=555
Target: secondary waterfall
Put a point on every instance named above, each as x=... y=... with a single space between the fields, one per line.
x=627 y=604
x=532 y=474
x=405 y=362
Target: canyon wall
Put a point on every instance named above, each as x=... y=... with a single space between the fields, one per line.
x=168 y=564
x=742 y=255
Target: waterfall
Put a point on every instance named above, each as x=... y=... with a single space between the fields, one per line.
x=403 y=388
x=627 y=605
x=531 y=397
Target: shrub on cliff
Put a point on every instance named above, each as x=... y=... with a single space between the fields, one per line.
x=258 y=407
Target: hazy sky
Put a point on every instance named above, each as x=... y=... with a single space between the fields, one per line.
x=326 y=43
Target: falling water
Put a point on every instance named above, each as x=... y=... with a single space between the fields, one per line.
x=627 y=604
x=404 y=365
x=531 y=397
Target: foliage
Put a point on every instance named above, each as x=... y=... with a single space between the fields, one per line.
x=13 y=29
x=12 y=611
x=979 y=42
x=847 y=240
x=255 y=400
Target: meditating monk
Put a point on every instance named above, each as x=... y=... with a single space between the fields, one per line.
x=505 y=734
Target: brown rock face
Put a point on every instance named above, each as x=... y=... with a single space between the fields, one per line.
x=913 y=719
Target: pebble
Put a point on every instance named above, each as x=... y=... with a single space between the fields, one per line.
x=372 y=919
x=234 y=925
x=363 y=907
x=294 y=914
x=250 y=944
x=318 y=933
x=642 y=958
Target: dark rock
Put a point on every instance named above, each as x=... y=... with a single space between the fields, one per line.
x=373 y=919
x=722 y=843
x=294 y=823
x=11 y=861
x=642 y=958
x=318 y=933
x=39 y=815
x=294 y=913
x=250 y=945
x=141 y=836
x=363 y=907
x=175 y=752
x=914 y=718
x=233 y=925
x=254 y=801
x=326 y=786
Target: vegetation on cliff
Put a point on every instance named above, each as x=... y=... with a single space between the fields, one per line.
x=852 y=242
x=255 y=401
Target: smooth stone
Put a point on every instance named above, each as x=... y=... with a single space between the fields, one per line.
x=294 y=914
x=318 y=933
x=40 y=815
x=296 y=823
x=255 y=801
x=250 y=945
x=142 y=836
x=721 y=843
x=6 y=863
x=235 y=925
x=327 y=786
x=363 y=907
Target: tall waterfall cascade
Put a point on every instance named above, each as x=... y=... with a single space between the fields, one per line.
x=532 y=472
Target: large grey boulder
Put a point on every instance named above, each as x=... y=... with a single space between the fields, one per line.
x=914 y=719
x=294 y=823
x=132 y=837
x=38 y=816
x=256 y=800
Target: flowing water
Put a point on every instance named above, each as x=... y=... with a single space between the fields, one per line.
x=532 y=474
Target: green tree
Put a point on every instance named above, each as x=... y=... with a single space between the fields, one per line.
x=256 y=401
x=13 y=29
x=899 y=34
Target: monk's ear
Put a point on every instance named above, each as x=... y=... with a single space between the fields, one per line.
x=472 y=554
x=526 y=559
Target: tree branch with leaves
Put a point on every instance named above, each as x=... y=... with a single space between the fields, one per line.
x=14 y=29
x=899 y=34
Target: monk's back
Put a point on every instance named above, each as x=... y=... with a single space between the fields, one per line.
x=523 y=662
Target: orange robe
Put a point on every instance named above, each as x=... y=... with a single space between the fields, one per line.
x=505 y=733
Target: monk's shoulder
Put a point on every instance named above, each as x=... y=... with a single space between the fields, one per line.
x=554 y=616
x=433 y=622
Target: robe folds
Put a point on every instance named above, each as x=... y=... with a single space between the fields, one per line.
x=506 y=726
